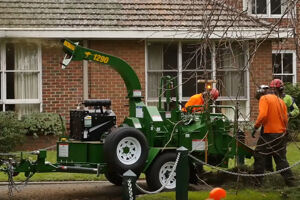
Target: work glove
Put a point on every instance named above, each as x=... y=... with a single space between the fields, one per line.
x=253 y=132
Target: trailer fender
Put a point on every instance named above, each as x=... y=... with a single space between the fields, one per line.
x=153 y=152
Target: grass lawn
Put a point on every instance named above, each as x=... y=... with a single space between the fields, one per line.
x=202 y=195
x=273 y=188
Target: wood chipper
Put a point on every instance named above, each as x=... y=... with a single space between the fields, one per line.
x=147 y=139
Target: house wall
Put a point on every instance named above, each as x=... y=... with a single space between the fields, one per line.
x=260 y=72
x=62 y=89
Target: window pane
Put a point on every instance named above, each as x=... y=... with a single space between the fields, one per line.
x=189 y=83
x=9 y=107
x=287 y=63
x=153 y=84
x=21 y=56
x=23 y=109
x=261 y=7
x=155 y=56
x=10 y=85
x=230 y=57
x=22 y=85
x=189 y=57
x=10 y=56
x=253 y=6
x=275 y=6
x=231 y=83
x=230 y=113
x=276 y=60
x=287 y=78
x=170 y=56
x=194 y=57
x=278 y=77
x=284 y=4
x=175 y=76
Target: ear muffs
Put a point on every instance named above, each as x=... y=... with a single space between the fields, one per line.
x=281 y=89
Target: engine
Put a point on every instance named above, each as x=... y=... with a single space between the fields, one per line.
x=95 y=119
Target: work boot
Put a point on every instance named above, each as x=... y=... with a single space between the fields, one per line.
x=290 y=182
x=258 y=181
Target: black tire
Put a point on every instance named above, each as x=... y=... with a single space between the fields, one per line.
x=152 y=174
x=126 y=139
x=114 y=178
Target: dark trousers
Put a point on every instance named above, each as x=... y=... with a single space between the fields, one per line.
x=272 y=144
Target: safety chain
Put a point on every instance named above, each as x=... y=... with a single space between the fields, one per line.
x=11 y=183
x=130 y=192
x=166 y=183
x=243 y=174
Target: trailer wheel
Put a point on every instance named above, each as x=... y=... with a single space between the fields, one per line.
x=126 y=148
x=113 y=177
x=159 y=172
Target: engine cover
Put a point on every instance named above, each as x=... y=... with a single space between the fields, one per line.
x=90 y=125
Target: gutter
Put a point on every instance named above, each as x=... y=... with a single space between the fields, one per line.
x=95 y=33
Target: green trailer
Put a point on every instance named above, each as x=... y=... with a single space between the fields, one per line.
x=146 y=141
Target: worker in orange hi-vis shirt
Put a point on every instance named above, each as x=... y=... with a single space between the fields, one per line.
x=273 y=117
x=198 y=100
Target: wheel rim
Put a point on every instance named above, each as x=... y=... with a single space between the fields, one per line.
x=129 y=150
x=164 y=174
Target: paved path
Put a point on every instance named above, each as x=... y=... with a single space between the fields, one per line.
x=73 y=190
x=65 y=191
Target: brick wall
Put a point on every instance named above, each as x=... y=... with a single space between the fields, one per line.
x=62 y=89
x=260 y=72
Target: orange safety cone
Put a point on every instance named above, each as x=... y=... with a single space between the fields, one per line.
x=217 y=194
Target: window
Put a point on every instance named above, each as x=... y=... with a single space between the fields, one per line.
x=266 y=8
x=21 y=77
x=191 y=62
x=230 y=70
x=284 y=65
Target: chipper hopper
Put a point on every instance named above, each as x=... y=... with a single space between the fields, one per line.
x=146 y=141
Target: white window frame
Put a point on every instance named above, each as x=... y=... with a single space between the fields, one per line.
x=248 y=7
x=294 y=74
x=3 y=100
x=246 y=99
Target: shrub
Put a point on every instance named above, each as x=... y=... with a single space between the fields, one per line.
x=12 y=131
x=44 y=124
x=294 y=123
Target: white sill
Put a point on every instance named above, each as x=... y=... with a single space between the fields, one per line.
x=269 y=16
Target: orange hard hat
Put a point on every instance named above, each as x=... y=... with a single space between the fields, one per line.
x=217 y=193
x=276 y=83
x=214 y=93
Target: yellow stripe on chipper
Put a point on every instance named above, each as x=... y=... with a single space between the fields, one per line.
x=69 y=45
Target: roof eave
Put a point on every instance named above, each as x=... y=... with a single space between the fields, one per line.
x=100 y=33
